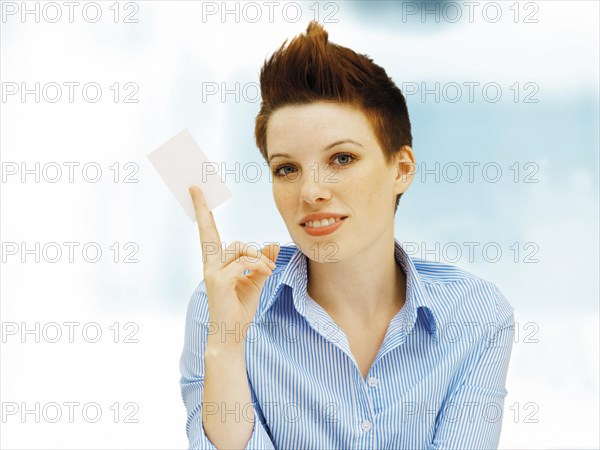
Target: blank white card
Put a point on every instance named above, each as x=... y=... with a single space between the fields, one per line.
x=181 y=163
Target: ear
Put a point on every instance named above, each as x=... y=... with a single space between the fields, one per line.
x=404 y=169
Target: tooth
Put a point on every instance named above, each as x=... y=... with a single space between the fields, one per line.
x=321 y=223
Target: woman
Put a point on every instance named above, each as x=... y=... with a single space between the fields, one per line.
x=344 y=341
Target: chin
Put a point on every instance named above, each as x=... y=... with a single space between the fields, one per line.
x=321 y=250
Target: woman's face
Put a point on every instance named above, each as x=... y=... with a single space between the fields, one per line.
x=332 y=163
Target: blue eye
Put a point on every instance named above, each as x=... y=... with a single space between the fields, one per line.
x=277 y=171
x=344 y=154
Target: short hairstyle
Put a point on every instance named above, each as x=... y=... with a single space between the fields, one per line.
x=311 y=69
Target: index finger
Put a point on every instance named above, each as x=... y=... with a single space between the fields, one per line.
x=210 y=240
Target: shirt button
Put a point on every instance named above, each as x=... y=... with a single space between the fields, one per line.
x=366 y=425
x=372 y=381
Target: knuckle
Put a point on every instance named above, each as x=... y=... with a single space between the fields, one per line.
x=235 y=245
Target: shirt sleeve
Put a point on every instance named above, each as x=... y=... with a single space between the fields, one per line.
x=471 y=416
x=192 y=378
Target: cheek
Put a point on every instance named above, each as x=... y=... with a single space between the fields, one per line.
x=283 y=195
x=368 y=186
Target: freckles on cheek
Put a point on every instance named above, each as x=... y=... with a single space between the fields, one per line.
x=369 y=189
x=283 y=197
x=364 y=186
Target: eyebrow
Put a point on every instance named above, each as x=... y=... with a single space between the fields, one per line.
x=328 y=147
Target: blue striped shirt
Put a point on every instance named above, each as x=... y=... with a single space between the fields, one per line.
x=438 y=380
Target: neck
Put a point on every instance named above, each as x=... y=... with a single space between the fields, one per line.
x=368 y=286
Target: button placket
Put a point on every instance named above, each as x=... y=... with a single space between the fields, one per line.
x=366 y=425
x=372 y=382
x=370 y=385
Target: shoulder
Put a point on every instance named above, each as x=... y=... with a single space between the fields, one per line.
x=466 y=294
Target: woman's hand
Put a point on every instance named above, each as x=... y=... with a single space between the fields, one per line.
x=232 y=297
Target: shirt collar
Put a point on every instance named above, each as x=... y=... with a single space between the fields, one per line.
x=417 y=299
x=292 y=271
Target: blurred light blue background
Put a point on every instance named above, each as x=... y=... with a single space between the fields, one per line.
x=175 y=53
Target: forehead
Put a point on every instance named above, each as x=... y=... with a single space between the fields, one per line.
x=318 y=124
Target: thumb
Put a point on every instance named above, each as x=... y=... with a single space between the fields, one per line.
x=271 y=251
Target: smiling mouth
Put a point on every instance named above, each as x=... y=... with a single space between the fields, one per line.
x=337 y=219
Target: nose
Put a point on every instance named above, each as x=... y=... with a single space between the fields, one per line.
x=316 y=183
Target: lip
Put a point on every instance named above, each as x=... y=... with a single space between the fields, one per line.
x=320 y=216
x=322 y=231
